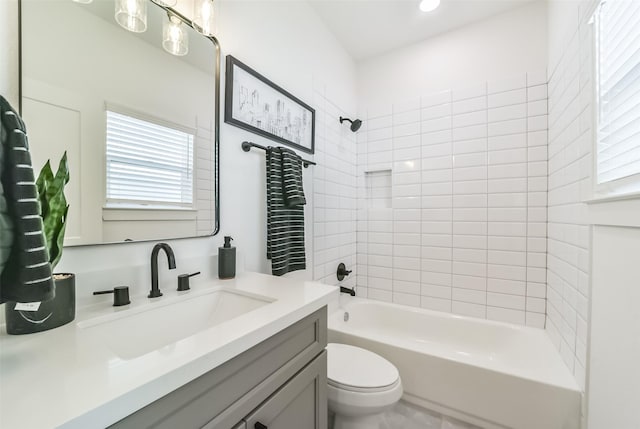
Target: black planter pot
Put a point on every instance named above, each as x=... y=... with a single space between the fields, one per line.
x=51 y=314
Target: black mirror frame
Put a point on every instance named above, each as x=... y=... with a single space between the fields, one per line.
x=216 y=184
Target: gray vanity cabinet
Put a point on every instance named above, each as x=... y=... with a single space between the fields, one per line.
x=279 y=381
x=301 y=403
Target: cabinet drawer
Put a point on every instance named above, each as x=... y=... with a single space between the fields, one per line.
x=225 y=395
x=300 y=403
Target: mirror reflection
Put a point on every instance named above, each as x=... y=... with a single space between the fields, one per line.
x=135 y=110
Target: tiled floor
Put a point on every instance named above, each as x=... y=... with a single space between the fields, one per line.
x=407 y=416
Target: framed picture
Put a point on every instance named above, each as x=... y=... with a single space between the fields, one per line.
x=256 y=104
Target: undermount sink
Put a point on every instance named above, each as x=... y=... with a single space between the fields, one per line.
x=137 y=331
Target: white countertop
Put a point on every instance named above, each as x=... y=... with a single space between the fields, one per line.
x=63 y=378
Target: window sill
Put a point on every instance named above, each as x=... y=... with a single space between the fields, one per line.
x=619 y=210
x=613 y=198
x=148 y=214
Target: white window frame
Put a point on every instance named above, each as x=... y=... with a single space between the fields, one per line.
x=618 y=189
x=119 y=211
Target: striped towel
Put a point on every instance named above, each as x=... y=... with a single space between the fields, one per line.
x=292 y=178
x=285 y=223
x=6 y=224
x=27 y=274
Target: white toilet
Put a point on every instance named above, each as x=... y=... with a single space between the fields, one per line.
x=362 y=385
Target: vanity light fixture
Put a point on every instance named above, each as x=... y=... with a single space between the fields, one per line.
x=203 y=17
x=132 y=15
x=429 y=5
x=175 y=38
x=83 y=1
x=165 y=3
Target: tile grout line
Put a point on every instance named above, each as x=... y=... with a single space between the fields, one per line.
x=526 y=254
x=486 y=285
x=452 y=211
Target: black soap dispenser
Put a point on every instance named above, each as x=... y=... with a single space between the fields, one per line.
x=227 y=260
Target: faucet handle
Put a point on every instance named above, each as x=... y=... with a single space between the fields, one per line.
x=342 y=272
x=183 y=281
x=120 y=295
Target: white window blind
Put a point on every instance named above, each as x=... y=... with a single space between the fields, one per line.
x=617 y=25
x=148 y=163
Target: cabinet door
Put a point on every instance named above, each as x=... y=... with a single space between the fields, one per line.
x=300 y=403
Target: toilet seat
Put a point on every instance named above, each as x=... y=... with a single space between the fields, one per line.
x=363 y=389
x=358 y=370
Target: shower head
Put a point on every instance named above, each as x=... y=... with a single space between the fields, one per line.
x=355 y=124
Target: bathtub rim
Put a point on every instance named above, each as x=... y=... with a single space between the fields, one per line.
x=568 y=382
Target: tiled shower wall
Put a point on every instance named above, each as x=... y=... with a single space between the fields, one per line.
x=570 y=166
x=334 y=192
x=465 y=227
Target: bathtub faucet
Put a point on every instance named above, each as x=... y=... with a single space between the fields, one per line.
x=350 y=291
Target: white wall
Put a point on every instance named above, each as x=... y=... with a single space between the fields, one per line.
x=503 y=45
x=614 y=377
x=570 y=148
x=465 y=228
x=287 y=43
x=460 y=121
x=334 y=187
x=593 y=273
x=9 y=57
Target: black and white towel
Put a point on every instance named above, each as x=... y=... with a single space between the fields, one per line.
x=26 y=276
x=292 y=178
x=285 y=211
x=6 y=224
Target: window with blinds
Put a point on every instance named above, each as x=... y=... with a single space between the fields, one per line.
x=617 y=37
x=148 y=164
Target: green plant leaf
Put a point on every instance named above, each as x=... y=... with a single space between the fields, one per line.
x=58 y=245
x=44 y=178
x=54 y=207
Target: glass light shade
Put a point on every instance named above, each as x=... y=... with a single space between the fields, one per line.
x=83 y=1
x=203 y=17
x=132 y=15
x=166 y=3
x=429 y=5
x=175 y=38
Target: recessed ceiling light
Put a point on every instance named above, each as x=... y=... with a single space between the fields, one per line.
x=429 y=5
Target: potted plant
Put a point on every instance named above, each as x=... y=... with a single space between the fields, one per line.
x=62 y=308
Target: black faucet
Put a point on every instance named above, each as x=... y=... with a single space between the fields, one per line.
x=155 y=290
x=350 y=291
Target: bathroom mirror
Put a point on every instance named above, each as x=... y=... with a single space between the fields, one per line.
x=140 y=125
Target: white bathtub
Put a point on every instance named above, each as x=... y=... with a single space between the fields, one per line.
x=492 y=374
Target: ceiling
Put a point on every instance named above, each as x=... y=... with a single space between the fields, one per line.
x=367 y=28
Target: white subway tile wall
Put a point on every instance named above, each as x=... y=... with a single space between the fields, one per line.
x=334 y=193
x=378 y=185
x=570 y=165
x=466 y=229
x=205 y=198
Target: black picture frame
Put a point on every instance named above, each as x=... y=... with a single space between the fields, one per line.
x=308 y=145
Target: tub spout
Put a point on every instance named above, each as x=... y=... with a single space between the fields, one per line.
x=350 y=291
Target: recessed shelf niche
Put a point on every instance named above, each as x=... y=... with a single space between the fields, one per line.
x=378 y=185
